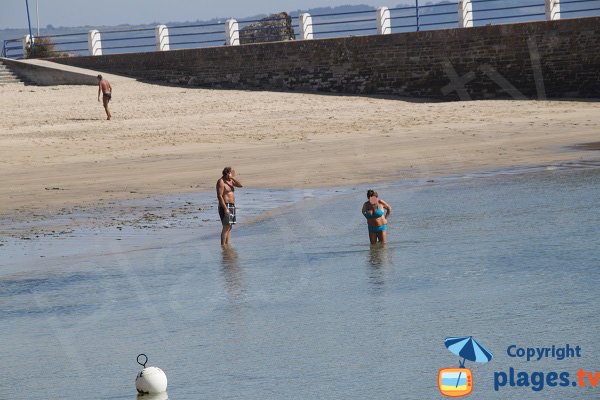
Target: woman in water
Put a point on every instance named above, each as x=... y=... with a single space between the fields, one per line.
x=376 y=211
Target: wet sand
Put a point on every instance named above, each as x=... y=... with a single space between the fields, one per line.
x=58 y=154
x=595 y=146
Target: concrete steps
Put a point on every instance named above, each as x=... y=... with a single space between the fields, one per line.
x=7 y=76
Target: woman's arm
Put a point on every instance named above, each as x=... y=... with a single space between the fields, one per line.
x=364 y=210
x=387 y=207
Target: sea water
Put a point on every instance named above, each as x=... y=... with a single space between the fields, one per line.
x=302 y=307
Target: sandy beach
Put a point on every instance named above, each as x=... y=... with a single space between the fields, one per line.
x=57 y=150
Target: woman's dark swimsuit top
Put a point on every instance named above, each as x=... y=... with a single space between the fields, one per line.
x=375 y=214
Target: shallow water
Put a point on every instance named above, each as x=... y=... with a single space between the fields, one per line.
x=302 y=307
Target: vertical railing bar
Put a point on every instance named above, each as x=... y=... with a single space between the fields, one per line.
x=417 y=12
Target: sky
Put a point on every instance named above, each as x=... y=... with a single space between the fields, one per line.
x=70 y=13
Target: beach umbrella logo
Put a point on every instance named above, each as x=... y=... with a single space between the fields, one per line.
x=458 y=382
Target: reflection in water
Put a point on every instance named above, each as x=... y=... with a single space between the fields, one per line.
x=233 y=273
x=380 y=262
x=379 y=256
x=153 y=396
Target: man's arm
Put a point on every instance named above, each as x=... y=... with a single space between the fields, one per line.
x=235 y=182
x=220 y=190
x=99 y=90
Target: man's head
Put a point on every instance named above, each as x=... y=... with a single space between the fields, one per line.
x=227 y=171
x=99 y=77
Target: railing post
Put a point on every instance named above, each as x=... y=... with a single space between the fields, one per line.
x=94 y=43
x=27 y=42
x=306 y=28
x=162 y=38
x=417 y=13
x=384 y=25
x=552 y=10
x=465 y=14
x=232 y=33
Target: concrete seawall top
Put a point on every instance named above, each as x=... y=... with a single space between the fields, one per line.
x=47 y=73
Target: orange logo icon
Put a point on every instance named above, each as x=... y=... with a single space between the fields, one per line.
x=455 y=382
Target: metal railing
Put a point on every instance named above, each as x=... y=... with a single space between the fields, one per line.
x=197 y=35
x=136 y=39
x=415 y=17
x=484 y=13
x=351 y=23
x=422 y=17
x=573 y=8
x=9 y=46
x=66 y=44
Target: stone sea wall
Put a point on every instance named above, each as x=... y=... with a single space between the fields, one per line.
x=550 y=59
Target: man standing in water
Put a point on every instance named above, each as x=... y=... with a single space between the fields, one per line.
x=225 y=195
x=106 y=89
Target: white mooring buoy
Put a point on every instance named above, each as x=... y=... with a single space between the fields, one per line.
x=150 y=380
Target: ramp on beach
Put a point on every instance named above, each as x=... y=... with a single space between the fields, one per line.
x=48 y=73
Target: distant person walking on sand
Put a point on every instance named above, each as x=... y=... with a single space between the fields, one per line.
x=376 y=212
x=225 y=195
x=106 y=89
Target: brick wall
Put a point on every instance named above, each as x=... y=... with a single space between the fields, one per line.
x=533 y=60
